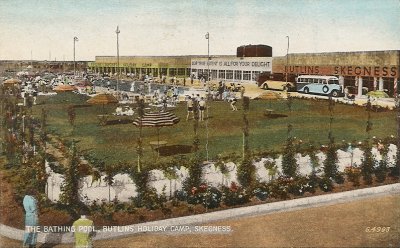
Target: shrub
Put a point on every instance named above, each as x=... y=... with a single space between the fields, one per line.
x=367 y=163
x=289 y=164
x=279 y=188
x=326 y=184
x=382 y=169
x=261 y=192
x=209 y=197
x=330 y=163
x=353 y=174
x=195 y=177
x=300 y=185
x=246 y=172
x=234 y=195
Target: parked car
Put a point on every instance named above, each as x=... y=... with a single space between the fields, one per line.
x=277 y=85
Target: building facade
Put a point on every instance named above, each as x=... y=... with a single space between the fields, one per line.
x=156 y=66
x=365 y=71
x=371 y=70
x=244 y=69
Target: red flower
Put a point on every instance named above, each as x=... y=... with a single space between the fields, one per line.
x=203 y=187
x=194 y=189
x=233 y=187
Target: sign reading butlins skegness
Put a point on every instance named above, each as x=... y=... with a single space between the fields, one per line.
x=242 y=64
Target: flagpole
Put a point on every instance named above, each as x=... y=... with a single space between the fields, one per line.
x=75 y=40
x=117 y=32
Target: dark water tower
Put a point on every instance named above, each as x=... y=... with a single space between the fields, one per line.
x=254 y=51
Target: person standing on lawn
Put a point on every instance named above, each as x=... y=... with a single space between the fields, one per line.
x=202 y=107
x=189 y=107
x=233 y=104
x=31 y=218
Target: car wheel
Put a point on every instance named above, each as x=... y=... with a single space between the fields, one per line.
x=265 y=86
x=334 y=93
x=306 y=90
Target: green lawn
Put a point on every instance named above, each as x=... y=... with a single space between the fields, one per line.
x=309 y=118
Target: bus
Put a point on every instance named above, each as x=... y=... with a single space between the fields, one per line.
x=323 y=85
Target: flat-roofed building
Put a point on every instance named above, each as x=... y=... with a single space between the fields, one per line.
x=374 y=70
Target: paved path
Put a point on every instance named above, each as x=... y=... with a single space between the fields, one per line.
x=258 y=210
x=338 y=225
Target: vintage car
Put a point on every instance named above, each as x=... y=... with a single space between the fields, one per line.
x=277 y=85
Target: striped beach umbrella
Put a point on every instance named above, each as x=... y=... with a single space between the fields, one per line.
x=157 y=120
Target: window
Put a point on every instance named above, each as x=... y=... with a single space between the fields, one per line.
x=255 y=75
x=214 y=73
x=333 y=81
x=247 y=75
x=221 y=74
x=172 y=72
x=181 y=71
x=229 y=74
x=163 y=71
x=238 y=75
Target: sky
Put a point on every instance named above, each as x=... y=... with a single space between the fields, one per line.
x=45 y=29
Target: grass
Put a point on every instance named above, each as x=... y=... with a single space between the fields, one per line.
x=309 y=118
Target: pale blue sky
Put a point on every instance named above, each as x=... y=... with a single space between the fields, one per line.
x=178 y=27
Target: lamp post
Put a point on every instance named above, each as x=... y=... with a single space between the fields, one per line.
x=287 y=58
x=208 y=57
x=117 y=32
x=208 y=88
x=75 y=40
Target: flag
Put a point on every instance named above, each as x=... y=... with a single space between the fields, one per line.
x=76 y=38
x=117 y=31
x=207 y=35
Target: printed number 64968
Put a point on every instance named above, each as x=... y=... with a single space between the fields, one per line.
x=377 y=229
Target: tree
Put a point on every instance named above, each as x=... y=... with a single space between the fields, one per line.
x=70 y=187
x=246 y=169
x=196 y=140
x=111 y=171
x=246 y=172
x=382 y=168
x=195 y=171
x=246 y=107
x=330 y=163
x=367 y=162
x=139 y=147
x=289 y=163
